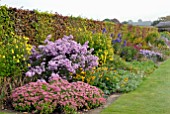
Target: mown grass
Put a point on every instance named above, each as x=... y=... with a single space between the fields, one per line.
x=152 y=97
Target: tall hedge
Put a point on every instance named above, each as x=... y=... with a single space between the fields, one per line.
x=37 y=25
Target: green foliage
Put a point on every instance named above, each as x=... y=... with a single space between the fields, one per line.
x=100 y=42
x=37 y=25
x=153 y=95
x=111 y=80
x=14 y=52
x=14 y=49
x=128 y=53
x=144 y=67
x=151 y=37
x=165 y=34
x=118 y=75
x=13 y=56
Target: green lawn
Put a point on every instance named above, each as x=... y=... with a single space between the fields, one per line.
x=152 y=97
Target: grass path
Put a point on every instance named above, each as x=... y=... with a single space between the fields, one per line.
x=152 y=97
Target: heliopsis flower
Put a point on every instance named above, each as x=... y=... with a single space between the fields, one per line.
x=24 y=59
x=29 y=65
x=111 y=59
x=82 y=78
x=93 y=77
x=122 y=85
x=100 y=76
x=126 y=79
x=17 y=61
x=12 y=51
x=83 y=73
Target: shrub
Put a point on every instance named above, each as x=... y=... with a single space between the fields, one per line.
x=118 y=44
x=101 y=43
x=155 y=56
x=64 y=56
x=165 y=34
x=111 y=80
x=14 y=49
x=14 y=56
x=152 y=37
x=59 y=94
x=128 y=53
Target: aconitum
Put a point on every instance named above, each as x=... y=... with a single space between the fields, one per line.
x=61 y=57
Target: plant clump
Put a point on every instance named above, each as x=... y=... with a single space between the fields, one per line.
x=62 y=57
x=58 y=94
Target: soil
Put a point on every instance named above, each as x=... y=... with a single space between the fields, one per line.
x=110 y=100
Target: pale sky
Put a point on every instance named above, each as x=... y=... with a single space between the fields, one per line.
x=123 y=10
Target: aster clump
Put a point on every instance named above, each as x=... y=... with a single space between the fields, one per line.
x=57 y=95
x=62 y=57
x=151 y=54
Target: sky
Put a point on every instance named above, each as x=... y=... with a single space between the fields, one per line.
x=123 y=10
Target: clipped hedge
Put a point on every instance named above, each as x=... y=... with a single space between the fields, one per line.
x=37 y=25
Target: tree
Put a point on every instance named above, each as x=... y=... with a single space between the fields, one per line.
x=124 y=22
x=155 y=22
x=167 y=18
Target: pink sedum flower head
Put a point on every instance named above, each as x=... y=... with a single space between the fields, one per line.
x=57 y=93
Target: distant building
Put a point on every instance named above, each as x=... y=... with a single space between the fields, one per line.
x=164 y=26
x=140 y=23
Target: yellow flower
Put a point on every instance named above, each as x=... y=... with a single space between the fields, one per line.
x=82 y=78
x=13 y=57
x=12 y=51
x=111 y=59
x=93 y=77
x=114 y=71
x=12 y=33
x=24 y=59
x=81 y=69
x=17 y=46
x=88 y=80
x=83 y=73
x=3 y=56
x=105 y=68
x=15 y=41
x=122 y=85
x=29 y=65
x=107 y=78
x=100 y=76
x=26 y=38
x=126 y=79
x=17 y=61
